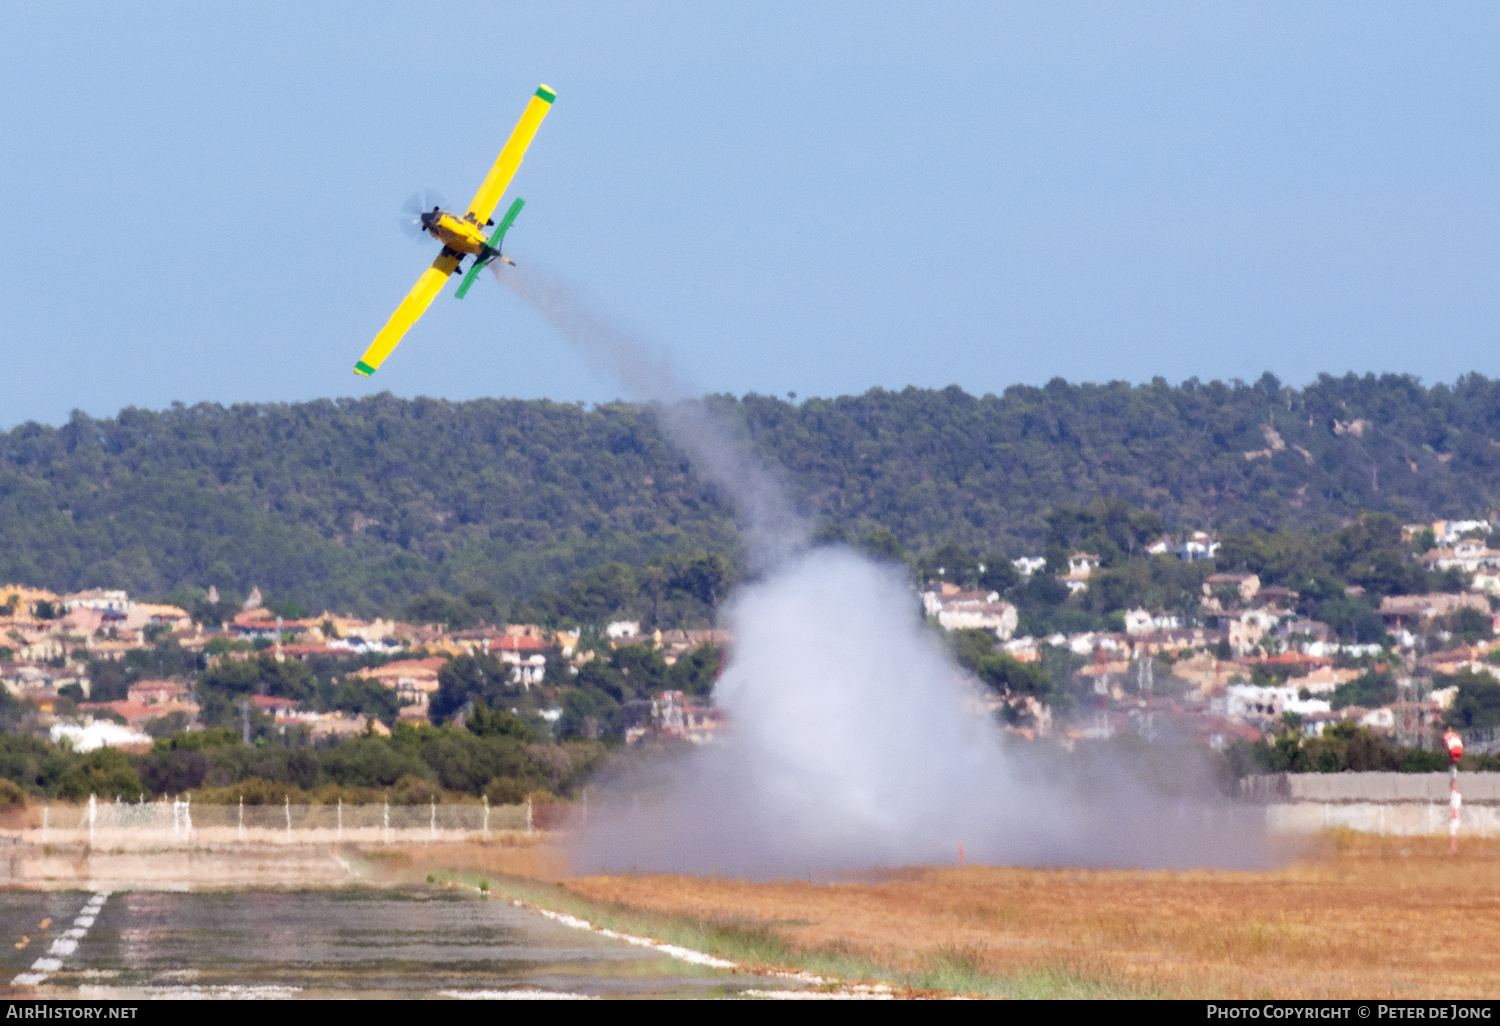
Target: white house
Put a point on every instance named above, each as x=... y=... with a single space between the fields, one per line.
x=1198 y=545
x=104 y=601
x=981 y=610
x=1139 y=621
x=1252 y=702
x=1081 y=564
x=526 y=670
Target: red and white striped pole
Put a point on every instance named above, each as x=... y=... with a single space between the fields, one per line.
x=1455 y=746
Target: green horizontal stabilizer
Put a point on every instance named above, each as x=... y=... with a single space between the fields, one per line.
x=363 y=368
x=495 y=240
x=469 y=276
x=506 y=221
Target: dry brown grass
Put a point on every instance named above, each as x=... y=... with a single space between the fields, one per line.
x=1352 y=918
x=534 y=857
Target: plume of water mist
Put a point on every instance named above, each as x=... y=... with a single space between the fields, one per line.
x=854 y=739
x=850 y=745
x=855 y=742
x=773 y=528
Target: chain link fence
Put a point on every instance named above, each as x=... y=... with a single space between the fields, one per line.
x=179 y=823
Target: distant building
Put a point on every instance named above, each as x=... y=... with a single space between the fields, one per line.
x=1246 y=585
x=274 y=706
x=1139 y=622
x=1402 y=609
x=340 y=725
x=1028 y=565
x=117 y=601
x=955 y=609
x=413 y=680
x=158 y=692
x=1197 y=546
x=150 y=614
x=1081 y=564
x=676 y=715
x=20 y=600
x=1251 y=702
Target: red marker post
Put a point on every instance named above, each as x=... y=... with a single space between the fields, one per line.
x=1455 y=746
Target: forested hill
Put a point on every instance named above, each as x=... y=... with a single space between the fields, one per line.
x=361 y=504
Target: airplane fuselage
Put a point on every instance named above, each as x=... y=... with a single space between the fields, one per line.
x=459 y=234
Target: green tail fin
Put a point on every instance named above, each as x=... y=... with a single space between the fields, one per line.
x=495 y=240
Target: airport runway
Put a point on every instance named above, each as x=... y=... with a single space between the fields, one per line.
x=351 y=943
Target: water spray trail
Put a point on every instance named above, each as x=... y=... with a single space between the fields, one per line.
x=773 y=529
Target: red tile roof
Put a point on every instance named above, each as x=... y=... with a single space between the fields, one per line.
x=519 y=643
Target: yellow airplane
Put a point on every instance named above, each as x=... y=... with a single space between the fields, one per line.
x=462 y=236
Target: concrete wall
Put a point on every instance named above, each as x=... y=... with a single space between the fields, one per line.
x=74 y=867
x=1377 y=803
x=1368 y=787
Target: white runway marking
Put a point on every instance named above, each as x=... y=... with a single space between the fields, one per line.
x=870 y=992
x=225 y=992
x=519 y=994
x=853 y=994
x=685 y=954
x=64 y=945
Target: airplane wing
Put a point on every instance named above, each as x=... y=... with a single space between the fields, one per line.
x=510 y=157
x=413 y=306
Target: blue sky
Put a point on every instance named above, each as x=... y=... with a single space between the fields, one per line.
x=201 y=200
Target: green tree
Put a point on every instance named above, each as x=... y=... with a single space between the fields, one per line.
x=1477 y=704
x=590 y=713
x=976 y=651
x=695 y=672
x=469 y=678
x=107 y=772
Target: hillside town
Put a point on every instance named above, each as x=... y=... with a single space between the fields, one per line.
x=51 y=641
x=1243 y=662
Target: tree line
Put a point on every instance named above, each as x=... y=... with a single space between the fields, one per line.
x=362 y=504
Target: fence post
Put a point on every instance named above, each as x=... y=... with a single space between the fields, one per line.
x=528 y=814
x=242 y=818
x=287 y=803
x=486 y=816
x=432 y=824
x=92 y=809
x=187 y=818
x=386 y=820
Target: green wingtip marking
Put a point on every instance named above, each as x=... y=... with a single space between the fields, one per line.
x=363 y=369
x=546 y=94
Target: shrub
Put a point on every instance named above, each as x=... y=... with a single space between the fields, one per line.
x=413 y=790
x=11 y=795
x=508 y=790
